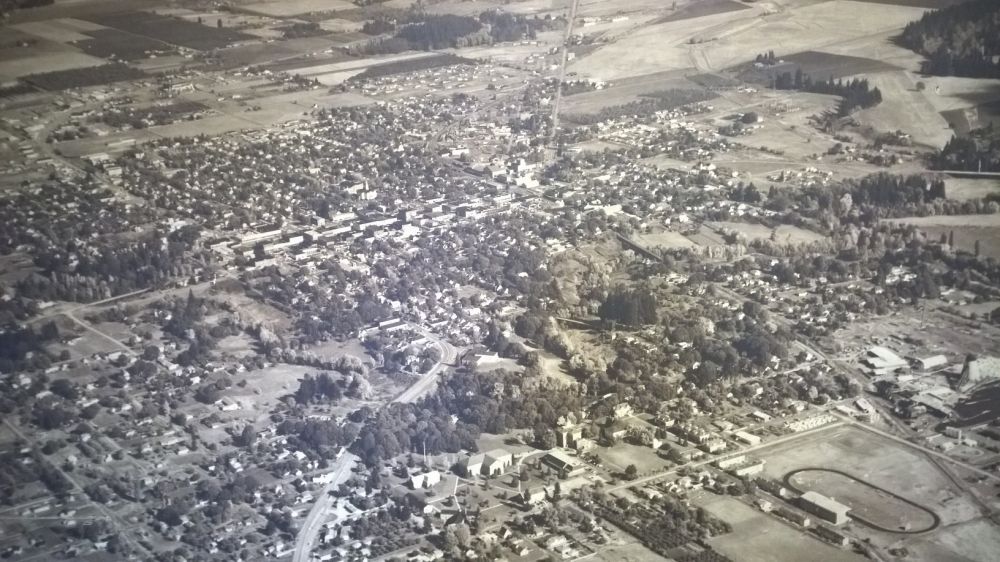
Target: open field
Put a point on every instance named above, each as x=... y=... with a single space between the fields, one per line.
x=83 y=77
x=967 y=228
x=734 y=38
x=783 y=234
x=109 y=42
x=626 y=90
x=701 y=9
x=663 y=238
x=883 y=463
x=11 y=69
x=759 y=537
x=964 y=189
x=296 y=7
x=174 y=31
x=818 y=65
x=868 y=503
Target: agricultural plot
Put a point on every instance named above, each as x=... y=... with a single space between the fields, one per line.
x=84 y=77
x=412 y=65
x=965 y=189
x=113 y=43
x=297 y=7
x=929 y=4
x=701 y=9
x=170 y=30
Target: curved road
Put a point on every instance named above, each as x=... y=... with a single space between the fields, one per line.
x=306 y=537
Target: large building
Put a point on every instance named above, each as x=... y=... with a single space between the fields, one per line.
x=564 y=464
x=978 y=371
x=825 y=508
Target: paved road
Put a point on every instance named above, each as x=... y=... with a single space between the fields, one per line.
x=314 y=520
x=562 y=70
x=426 y=382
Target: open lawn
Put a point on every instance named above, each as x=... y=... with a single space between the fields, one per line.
x=759 y=537
x=664 y=239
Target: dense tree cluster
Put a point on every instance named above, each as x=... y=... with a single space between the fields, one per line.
x=960 y=40
x=857 y=93
x=977 y=151
x=632 y=307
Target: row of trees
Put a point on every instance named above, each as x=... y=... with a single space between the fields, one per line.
x=855 y=93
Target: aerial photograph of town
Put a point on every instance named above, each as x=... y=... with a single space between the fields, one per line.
x=500 y=280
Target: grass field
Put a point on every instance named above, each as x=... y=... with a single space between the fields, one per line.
x=174 y=31
x=967 y=228
x=964 y=189
x=759 y=537
x=783 y=234
x=664 y=239
x=818 y=65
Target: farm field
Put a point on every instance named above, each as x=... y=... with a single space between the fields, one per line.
x=967 y=228
x=296 y=7
x=81 y=77
x=174 y=31
x=759 y=537
x=819 y=66
x=12 y=69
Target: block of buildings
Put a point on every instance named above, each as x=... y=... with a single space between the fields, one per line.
x=823 y=507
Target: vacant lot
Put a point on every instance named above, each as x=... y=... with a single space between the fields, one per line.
x=967 y=229
x=759 y=537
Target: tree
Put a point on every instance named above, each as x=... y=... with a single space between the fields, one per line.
x=631 y=472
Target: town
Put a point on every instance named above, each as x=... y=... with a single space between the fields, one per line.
x=706 y=280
